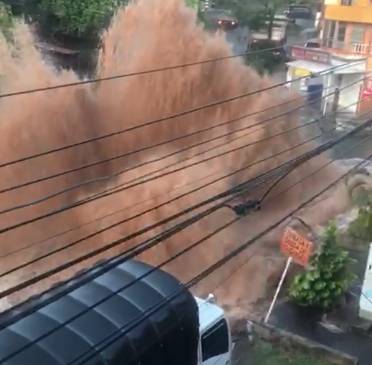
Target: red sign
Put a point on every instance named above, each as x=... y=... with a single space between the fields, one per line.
x=310 y=54
x=367 y=93
x=296 y=246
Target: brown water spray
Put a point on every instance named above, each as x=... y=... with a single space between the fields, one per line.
x=146 y=35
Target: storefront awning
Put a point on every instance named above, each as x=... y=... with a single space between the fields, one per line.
x=308 y=65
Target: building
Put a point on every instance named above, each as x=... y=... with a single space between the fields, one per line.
x=345 y=39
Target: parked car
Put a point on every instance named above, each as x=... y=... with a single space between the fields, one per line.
x=227 y=22
x=299 y=12
x=312 y=43
x=221 y=19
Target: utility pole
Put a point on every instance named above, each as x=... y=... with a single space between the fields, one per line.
x=336 y=99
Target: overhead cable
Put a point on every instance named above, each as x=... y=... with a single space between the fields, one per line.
x=122 y=331
x=138 y=73
x=167 y=118
x=84 y=357
x=184 y=149
x=237 y=190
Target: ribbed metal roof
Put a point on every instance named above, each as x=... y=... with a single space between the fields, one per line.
x=169 y=336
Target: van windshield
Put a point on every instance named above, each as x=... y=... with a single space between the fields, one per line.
x=215 y=341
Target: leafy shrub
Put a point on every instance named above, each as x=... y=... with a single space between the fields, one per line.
x=6 y=20
x=361 y=227
x=328 y=276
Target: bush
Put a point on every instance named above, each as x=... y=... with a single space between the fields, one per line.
x=6 y=20
x=361 y=227
x=328 y=276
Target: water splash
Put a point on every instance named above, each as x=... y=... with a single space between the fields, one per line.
x=147 y=34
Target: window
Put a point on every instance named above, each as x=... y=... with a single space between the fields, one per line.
x=357 y=34
x=341 y=32
x=329 y=33
x=215 y=341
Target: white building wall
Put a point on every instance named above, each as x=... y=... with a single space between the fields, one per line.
x=351 y=93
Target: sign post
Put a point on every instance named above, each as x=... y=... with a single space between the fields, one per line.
x=288 y=264
x=299 y=250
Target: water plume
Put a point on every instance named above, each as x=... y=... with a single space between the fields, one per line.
x=145 y=35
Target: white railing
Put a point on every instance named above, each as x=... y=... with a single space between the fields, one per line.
x=358 y=48
x=361 y=48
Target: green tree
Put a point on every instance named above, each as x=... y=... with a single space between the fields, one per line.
x=328 y=276
x=255 y=14
x=361 y=227
x=193 y=3
x=259 y=14
x=6 y=20
x=79 y=19
x=83 y=18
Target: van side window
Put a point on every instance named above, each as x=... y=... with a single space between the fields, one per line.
x=215 y=341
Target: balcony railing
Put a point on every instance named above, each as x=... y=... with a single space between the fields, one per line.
x=350 y=48
x=361 y=48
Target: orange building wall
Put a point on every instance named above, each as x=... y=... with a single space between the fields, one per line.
x=360 y=13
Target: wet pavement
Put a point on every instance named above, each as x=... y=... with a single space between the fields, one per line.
x=291 y=318
x=357 y=146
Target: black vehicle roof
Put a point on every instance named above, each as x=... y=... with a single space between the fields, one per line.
x=168 y=336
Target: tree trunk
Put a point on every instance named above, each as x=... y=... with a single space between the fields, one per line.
x=270 y=25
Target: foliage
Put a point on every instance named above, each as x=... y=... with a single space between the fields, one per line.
x=193 y=3
x=361 y=227
x=266 y=354
x=265 y=62
x=6 y=20
x=256 y=14
x=83 y=18
x=259 y=14
x=328 y=276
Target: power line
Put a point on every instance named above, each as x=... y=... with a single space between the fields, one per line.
x=138 y=73
x=288 y=188
x=83 y=358
x=126 y=220
x=136 y=250
x=105 y=178
x=97 y=271
x=110 y=214
x=238 y=190
x=228 y=122
x=96 y=163
x=191 y=283
x=97 y=195
x=281 y=178
x=169 y=117
x=113 y=191
x=121 y=222
x=145 y=163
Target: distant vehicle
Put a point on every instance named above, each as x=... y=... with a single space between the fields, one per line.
x=261 y=37
x=312 y=43
x=220 y=18
x=278 y=51
x=181 y=330
x=227 y=22
x=299 y=12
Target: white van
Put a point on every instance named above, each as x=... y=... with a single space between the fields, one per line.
x=215 y=345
